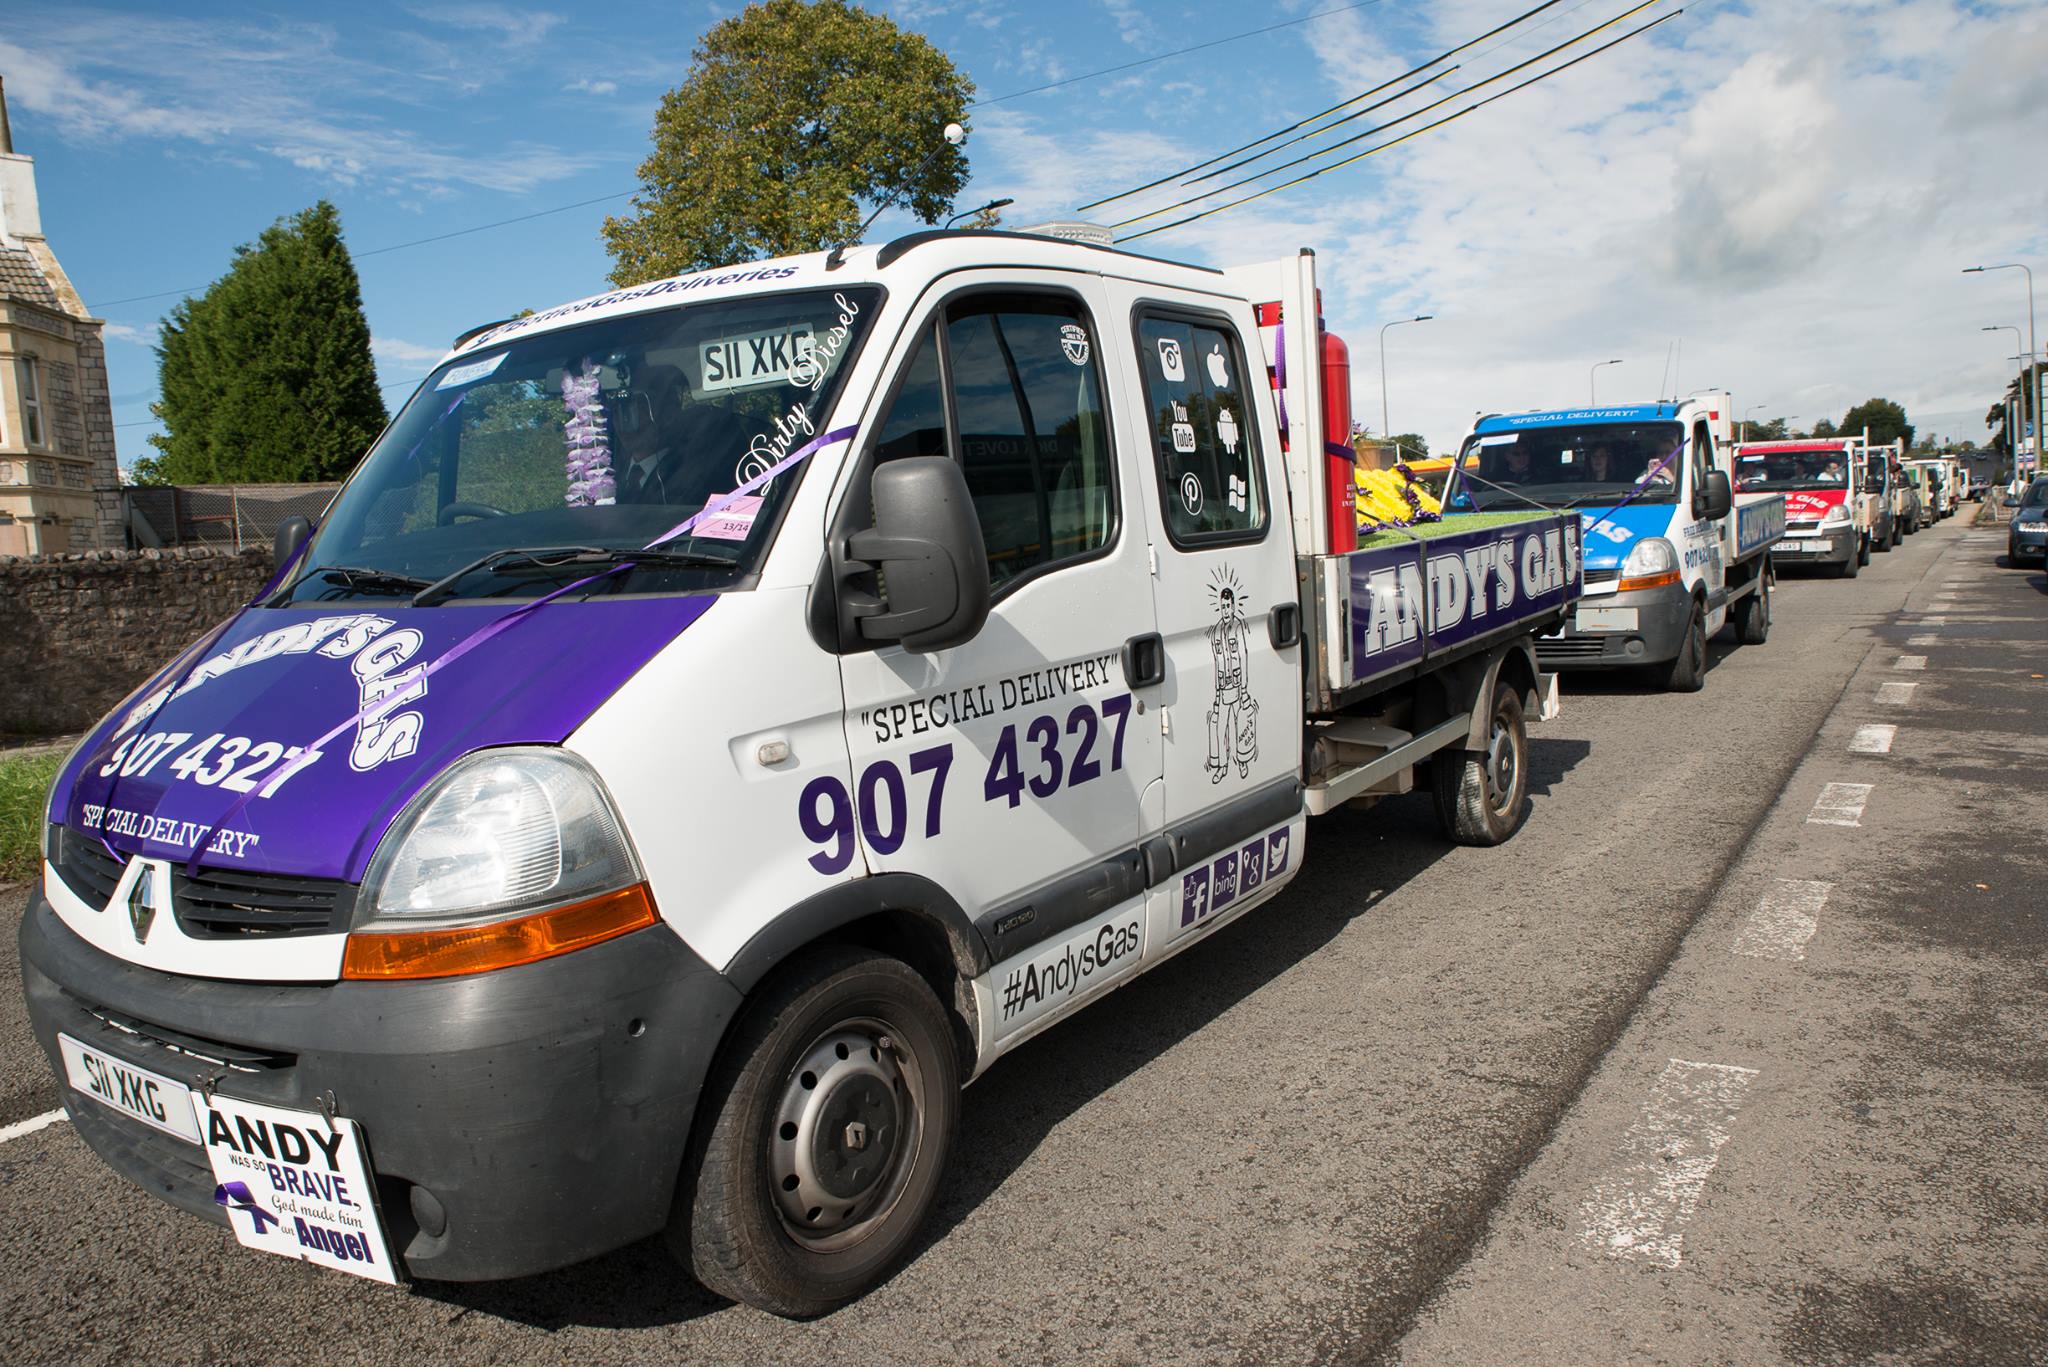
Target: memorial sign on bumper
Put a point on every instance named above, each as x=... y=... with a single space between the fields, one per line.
x=295 y=1183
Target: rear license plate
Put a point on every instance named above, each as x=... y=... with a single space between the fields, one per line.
x=1605 y=619
x=135 y=1092
x=295 y=1184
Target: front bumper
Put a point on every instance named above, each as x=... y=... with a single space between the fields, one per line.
x=1837 y=547
x=2028 y=541
x=538 y=1114
x=1661 y=615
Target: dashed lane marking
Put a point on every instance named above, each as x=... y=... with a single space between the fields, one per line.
x=1641 y=1210
x=1896 y=693
x=1875 y=739
x=1840 y=804
x=1784 y=920
x=1911 y=662
x=22 y=1128
x=1923 y=640
x=1932 y=622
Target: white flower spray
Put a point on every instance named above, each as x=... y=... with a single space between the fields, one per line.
x=589 y=462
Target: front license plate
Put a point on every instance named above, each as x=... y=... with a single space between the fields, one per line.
x=137 y=1093
x=1605 y=619
x=295 y=1184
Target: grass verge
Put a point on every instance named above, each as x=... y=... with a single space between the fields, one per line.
x=24 y=793
x=1452 y=524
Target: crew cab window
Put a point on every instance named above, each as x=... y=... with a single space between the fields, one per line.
x=1204 y=431
x=1011 y=387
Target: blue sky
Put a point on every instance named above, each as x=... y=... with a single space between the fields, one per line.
x=1781 y=195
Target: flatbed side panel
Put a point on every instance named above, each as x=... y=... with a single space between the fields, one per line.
x=1759 y=522
x=1410 y=602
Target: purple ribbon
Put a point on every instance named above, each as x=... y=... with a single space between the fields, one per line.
x=237 y=1196
x=724 y=501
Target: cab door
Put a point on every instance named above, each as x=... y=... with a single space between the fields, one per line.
x=1014 y=771
x=1214 y=496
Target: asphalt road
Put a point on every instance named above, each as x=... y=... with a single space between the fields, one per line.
x=1406 y=1110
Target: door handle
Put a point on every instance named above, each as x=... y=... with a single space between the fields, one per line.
x=1145 y=660
x=1283 y=626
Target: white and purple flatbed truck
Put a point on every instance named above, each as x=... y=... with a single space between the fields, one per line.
x=717 y=720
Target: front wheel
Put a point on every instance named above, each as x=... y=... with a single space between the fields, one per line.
x=1482 y=796
x=1688 y=672
x=824 y=1134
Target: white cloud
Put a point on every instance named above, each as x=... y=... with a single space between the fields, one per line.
x=515 y=26
x=140 y=336
x=590 y=87
x=406 y=355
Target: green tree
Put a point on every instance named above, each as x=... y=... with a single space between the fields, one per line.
x=1885 y=420
x=792 y=114
x=267 y=377
x=1773 y=430
x=1823 y=429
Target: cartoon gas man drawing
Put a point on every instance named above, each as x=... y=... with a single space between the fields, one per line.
x=1234 y=714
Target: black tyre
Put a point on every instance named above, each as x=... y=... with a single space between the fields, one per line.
x=1851 y=567
x=1688 y=672
x=822 y=1135
x=1482 y=796
x=1862 y=554
x=1753 y=617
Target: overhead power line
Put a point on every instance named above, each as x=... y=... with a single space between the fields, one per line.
x=1395 y=142
x=1391 y=123
x=1437 y=60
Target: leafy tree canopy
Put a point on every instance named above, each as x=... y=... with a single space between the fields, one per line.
x=1885 y=419
x=792 y=114
x=267 y=376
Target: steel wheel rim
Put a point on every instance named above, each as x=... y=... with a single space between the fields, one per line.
x=1502 y=763
x=846 y=1134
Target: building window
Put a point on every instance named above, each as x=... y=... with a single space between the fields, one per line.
x=42 y=472
x=74 y=476
x=31 y=399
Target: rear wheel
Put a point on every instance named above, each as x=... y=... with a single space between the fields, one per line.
x=1862 y=553
x=824 y=1133
x=1753 y=617
x=1482 y=796
x=1688 y=672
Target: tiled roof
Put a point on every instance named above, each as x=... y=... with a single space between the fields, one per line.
x=19 y=279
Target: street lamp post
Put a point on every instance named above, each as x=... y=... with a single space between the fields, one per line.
x=1592 y=395
x=2032 y=383
x=1386 y=423
x=1745 y=420
x=991 y=205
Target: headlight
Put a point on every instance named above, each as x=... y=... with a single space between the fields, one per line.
x=1837 y=516
x=500 y=832
x=1651 y=563
x=52 y=819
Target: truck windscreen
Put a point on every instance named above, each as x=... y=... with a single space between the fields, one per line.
x=1572 y=467
x=1819 y=469
x=518 y=466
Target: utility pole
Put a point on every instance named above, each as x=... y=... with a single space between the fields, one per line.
x=2032 y=385
x=1592 y=395
x=1387 y=422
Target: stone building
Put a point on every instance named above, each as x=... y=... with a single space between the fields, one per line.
x=60 y=488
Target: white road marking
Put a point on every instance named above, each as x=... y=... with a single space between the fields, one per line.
x=1911 y=662
x=1923 y=640
x=1784 y=920
x=21 y=1128
x=1875 y=739
x=1933 y=621
x=1895 y=693
x=1840 y=804
x=1641 y=1210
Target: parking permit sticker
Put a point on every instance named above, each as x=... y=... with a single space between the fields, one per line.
x=475 y=370
x=1074 y=342
x=733 y=522
x=755 y=358
x=294 y=1184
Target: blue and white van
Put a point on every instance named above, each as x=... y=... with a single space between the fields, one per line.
x=1672 y=552
x=716 y=721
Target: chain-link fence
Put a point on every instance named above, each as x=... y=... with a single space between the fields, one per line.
x=236 y=515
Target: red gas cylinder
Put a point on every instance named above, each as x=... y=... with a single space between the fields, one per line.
x=1340 y=458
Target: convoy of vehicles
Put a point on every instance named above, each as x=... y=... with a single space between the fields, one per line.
x=1673 y=553
x=1832 y=514
x=721 y=717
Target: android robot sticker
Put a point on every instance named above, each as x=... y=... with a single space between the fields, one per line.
x=1234 y=712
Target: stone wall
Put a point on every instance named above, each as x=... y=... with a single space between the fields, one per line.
x=78 y=632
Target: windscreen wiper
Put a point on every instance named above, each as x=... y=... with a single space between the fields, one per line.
x=562 y=557
x=363 y=580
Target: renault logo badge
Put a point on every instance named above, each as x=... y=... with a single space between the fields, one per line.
x=142 y=899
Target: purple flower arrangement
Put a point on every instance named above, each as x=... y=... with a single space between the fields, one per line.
x=589 y=461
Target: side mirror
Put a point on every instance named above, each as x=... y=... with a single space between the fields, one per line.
x=1714 y=498
x=292 y=533
x=928 y=555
